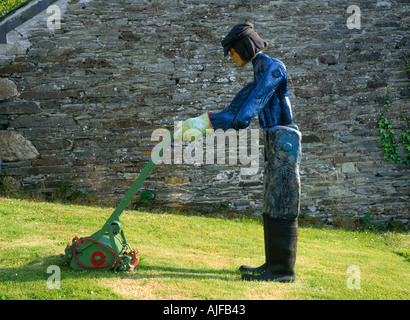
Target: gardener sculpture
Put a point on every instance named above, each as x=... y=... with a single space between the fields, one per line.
x=268 y=97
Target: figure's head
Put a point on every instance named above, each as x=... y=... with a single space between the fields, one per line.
x=245 y=42
x=236 y=57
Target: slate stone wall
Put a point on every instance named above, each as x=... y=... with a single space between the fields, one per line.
x=91 y=94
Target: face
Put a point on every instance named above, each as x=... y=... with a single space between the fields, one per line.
x=235 y=57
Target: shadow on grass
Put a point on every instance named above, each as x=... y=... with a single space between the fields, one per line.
x=152 y=272
x=37 y=270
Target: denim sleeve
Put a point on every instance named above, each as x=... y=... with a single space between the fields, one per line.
x=221 y=120
x=224 y=120
x=259 y=96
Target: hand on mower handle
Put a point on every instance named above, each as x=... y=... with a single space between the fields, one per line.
x=193 y=128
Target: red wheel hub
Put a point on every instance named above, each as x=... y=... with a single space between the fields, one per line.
x=98 y=258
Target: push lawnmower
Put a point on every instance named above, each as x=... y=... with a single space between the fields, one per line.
x=107 y=248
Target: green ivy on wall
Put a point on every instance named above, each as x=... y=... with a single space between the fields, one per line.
x=389 y=142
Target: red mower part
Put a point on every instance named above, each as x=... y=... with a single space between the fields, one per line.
x=98 y=258
x=135 y=260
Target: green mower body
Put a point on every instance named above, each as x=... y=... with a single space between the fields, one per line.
x=110 y=251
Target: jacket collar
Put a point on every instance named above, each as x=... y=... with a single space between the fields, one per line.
x=256 y=58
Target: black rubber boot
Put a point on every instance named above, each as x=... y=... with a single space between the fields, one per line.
x=280 y=246
x=257 y=270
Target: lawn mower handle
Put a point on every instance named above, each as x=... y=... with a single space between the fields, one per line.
x=107 y=248
x=135 y=187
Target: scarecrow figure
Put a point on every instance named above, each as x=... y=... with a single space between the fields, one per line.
x=268 y=97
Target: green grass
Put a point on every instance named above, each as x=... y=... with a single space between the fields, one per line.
x=7 y=5
x=191 y=257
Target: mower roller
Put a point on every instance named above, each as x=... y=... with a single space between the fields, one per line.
x=107 y=249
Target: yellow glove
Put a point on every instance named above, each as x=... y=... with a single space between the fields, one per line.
x=193 y=128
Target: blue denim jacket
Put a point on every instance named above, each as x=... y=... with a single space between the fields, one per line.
x=267 y=96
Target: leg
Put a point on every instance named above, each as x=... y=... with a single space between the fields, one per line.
x=258 y=270
x=281 y=206
x=280 y=249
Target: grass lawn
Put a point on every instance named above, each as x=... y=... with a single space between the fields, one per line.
x=8 y=5
x=191 y=257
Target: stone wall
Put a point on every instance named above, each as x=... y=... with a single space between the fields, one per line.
x=90 y=94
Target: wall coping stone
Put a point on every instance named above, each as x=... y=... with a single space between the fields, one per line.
x=20 y=15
